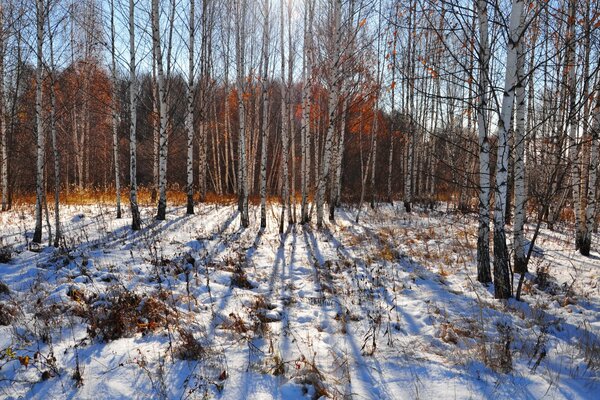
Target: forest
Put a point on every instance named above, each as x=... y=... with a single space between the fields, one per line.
x=299 y=199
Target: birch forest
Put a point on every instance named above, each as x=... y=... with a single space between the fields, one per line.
x=299 y=199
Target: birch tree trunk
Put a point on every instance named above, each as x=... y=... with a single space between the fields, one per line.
x=162 y=108
x=572 y=122
x=285 y=126
x=590 y=210
x=155 y=131
x=240 y=63
x=410 y=101
x=265 y=117
x=41 y=137
x=203 y=94
x=136 y=222
x=115 y=111
x=306 y=100
x=520 y=263
x=189 y=121
x=336 y=185
x=483 y=236
x=393 y=117
x=502 y=288
x=291 y=130
x=3 y=130
x=55 y=151
x=332 y=105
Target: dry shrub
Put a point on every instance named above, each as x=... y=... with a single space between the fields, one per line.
x=388 y=254
x=189 y=347
x=7 y=314
x=125 y=313
x=239 y=278
x=273 y=365
x=5 y=254
x=235 y=324
x=500 y=359
x=309 y=375
x=76 y=295
x=590 y=347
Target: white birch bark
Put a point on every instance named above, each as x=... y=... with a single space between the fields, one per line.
x=483 y=236
x=240 y=63
x=305 y=123
x=55 y=151
x=114 y=110
x=3 y=130
x=41 y=136
x=591 y=209
x=136 y=222
x=336 y=185
x=520 y=264
x=410 y=102
x=334 y=70
x=502 y=288
x=189 y=121
x=285 y=198
x=265 y=117
x=572 y=122
x=162 y=107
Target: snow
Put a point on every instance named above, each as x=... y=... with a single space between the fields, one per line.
x=388 y=308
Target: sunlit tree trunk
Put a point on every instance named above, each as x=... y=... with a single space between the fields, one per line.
x=502 y=287
x=306 y=100
x=189 y=121
x=332 y=106
x=136 y=222
x=114 y=110
x=41 y=137
x=265 y=118
x=590 y=210
x=336 y=185
x=520 y=264
x=240 y=62
x=572 y=122
x=285 y=126
x=162 y=107
x=55 y=150
x=3 y=130
x=483 y=235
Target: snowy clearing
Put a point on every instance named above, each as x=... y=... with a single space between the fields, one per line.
x=195 y=307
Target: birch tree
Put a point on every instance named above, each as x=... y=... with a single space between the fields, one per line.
x=162 y=112
x=189 y=121
x=483 y=236
x=240 y=64
x=502 y=288
x=332 y=105
x=55 y=150
x=114 y=109
x=591 y=209
x=520 y=262
x=136 y=222
x=3 y=130
x=41 y=136
x=571 y=69
x=265 y=117
x=307 y=67
x=285 y=126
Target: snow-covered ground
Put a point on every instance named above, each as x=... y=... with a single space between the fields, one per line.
x=195 y=307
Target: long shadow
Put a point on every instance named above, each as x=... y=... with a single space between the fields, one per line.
x=279 y=260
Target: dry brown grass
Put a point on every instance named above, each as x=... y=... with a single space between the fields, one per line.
x=175 y=196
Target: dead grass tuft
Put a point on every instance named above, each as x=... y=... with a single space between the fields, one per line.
x=124 y=313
